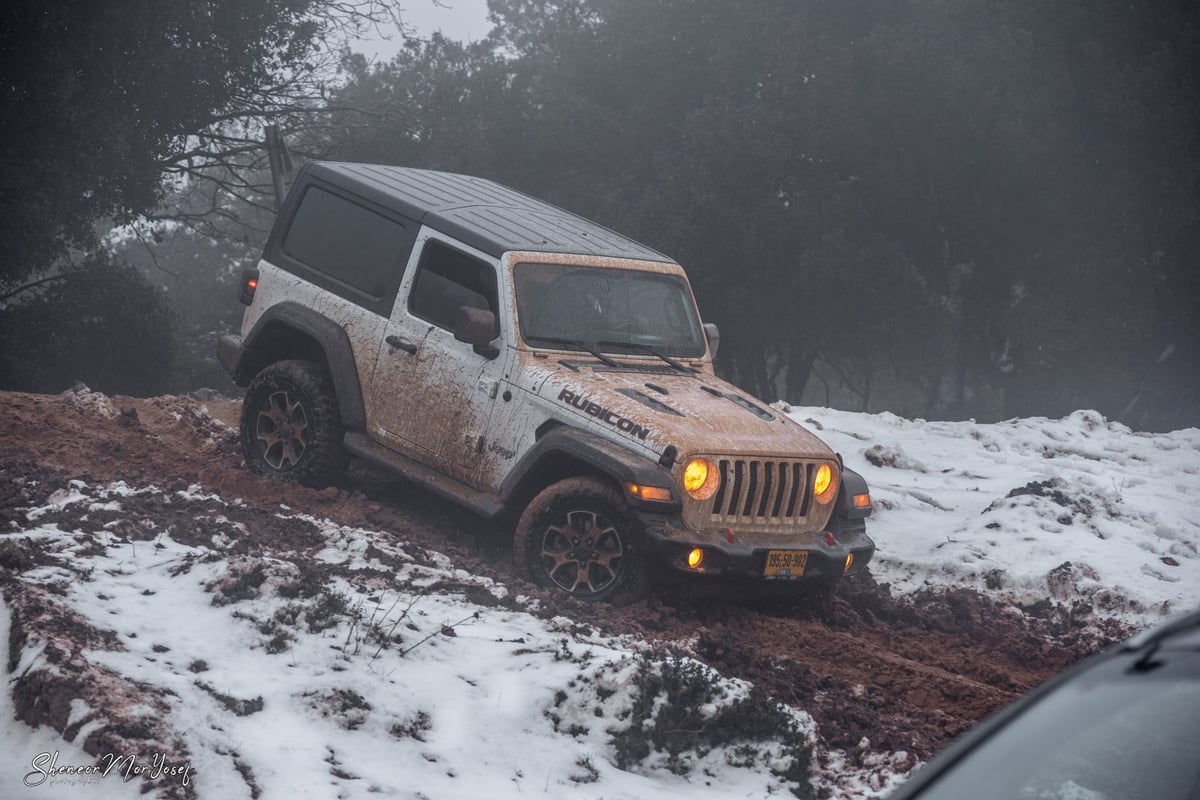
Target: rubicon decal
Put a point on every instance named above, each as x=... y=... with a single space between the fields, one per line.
x=593 y=409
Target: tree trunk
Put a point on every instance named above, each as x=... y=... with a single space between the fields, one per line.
x=800 y=362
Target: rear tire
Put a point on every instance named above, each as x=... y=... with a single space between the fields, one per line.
x=291 y=428
x=577 y=536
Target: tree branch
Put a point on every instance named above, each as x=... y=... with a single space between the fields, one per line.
x=31 y=285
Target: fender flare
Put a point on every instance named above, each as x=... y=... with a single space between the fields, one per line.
x=599 y=454
x=329 y=336
x=852 y=484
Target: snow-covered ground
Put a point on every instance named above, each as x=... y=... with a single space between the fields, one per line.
x=364 y=685
x=1003 y=507
x=367 y=684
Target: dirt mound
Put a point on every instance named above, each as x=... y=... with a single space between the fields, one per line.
x=904 y=674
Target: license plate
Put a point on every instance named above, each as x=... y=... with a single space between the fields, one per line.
x=785 y=563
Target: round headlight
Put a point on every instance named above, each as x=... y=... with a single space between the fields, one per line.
x=824 y=484
x=700 y=478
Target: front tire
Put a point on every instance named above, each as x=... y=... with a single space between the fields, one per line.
x=291 y=428
x=577 y=536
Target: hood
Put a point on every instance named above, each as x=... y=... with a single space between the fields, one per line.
x=656 y=406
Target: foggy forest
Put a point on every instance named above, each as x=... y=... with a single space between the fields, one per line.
x=946 y=209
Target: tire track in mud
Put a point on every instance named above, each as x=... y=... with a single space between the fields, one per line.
x=906 y=673
x=854 y=684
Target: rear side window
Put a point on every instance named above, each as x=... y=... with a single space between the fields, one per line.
x=353 y=250
x=448 y=279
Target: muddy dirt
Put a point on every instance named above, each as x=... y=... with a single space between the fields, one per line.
x=903 y=674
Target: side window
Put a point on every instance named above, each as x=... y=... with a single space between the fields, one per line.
x=447 y=279
x=349 y=243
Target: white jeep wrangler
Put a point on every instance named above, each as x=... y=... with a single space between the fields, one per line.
x=509 y=355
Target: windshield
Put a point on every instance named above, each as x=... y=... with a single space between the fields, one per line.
x=608 y=310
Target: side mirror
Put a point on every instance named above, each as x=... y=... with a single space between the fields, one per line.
x=476 y=327
x=713 y=336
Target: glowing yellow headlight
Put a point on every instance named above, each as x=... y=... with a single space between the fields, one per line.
x=824 y=485
x=700 y=478
x=695 y=558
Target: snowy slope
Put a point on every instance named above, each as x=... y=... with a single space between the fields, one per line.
x=1003 y=507
x=366 y=683
x=367 y=686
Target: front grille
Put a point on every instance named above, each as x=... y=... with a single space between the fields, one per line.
x=758 y=493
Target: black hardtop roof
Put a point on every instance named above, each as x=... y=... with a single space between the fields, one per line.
x=481 y=213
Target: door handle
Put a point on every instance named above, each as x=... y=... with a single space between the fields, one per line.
x=401 y=344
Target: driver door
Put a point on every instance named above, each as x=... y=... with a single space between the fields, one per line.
x=434 y=395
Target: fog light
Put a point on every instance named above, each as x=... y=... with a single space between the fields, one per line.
x=849 y=562
x=695 y=558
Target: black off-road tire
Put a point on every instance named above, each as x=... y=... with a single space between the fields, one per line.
x=577 y=536
x=291 y=427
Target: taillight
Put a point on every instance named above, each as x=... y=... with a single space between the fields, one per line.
x=249 y=286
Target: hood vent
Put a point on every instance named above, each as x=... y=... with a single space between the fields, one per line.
x=761 y=413
x=649 y=401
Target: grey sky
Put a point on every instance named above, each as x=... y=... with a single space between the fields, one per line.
x=457 y=19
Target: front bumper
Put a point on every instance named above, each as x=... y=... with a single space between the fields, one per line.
x=731 y=555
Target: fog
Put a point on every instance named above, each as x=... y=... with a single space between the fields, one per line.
x=982 y=210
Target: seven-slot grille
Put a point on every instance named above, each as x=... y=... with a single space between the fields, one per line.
x=760 y=492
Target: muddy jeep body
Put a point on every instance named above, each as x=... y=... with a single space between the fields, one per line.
x=514 y=357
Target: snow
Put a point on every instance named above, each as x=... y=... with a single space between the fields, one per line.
x=1120 y=506
x=378 y=687
x=20 y=745
x=461 y=705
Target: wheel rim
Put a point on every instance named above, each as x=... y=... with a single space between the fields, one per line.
x=583 y=553
x=281 y=430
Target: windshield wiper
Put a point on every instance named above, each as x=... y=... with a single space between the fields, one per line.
x=582 y=345
x=647 y=349
x=1151 y=640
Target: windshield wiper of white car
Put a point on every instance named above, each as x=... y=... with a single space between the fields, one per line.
x=645 y=348
x=582 y=345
